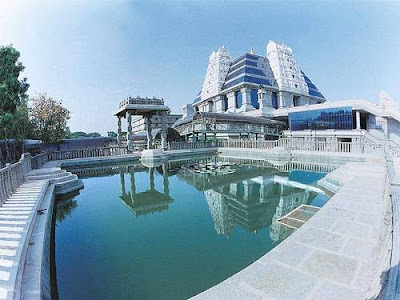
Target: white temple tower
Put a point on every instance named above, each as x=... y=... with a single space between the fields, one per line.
x=218 y=67
x=287 y=73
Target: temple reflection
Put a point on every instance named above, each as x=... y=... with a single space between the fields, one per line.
x=149 y=201
x=253 y=198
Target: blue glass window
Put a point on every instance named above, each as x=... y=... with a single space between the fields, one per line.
x=225 y=103
x=331 y=118
x=254 y=99
x=238 y=99
x=247 y=70
x=246 y=79
x=274 y=100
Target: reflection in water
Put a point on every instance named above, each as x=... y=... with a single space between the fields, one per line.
x=254 y=199
x=65 y=208
x=149 y=201
x=206 y=222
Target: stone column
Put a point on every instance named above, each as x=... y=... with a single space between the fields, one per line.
x=151 y=175
x=261 y=99
x=231 y=102
x=165 y=179
x=148 y=129
x=133 y=184
x=358 y=120
x=163 y=132
x=246 y=190
x=129 y=120
x=119 y=132
x=246 y=98
x=122 y=180
x=219 y=104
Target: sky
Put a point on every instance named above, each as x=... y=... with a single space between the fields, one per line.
x=93 y=54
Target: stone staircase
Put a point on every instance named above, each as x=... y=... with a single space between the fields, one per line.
x=65 y=182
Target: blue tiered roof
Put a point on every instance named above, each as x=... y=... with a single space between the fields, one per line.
x=249 y=68
x=312 y=89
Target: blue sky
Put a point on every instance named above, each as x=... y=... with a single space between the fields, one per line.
x=92 y=54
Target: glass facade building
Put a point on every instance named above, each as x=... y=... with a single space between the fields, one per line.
x=331 y=118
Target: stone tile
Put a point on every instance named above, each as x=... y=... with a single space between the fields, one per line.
x=227 y=292
x=330 y=266
x=320 y=238
x=289 y=253
x=358 y=249
x=338 y=213
x=369 y=218
x=364 y=276
x=329 y=291
x=280 y=282
x=352 y=229
x=320 y=221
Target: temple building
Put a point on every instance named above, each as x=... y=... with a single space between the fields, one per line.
x=266 y=97
x=251 y=85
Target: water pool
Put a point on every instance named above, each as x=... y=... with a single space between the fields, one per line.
x=164 y=233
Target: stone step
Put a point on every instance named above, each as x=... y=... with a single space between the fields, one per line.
x=68 y=186
x=58 y=174
x=13 y=217
x=18 y=222
x=8 y=244
x=68 y=176
x=44 y=171
x=6 y=263
x=7 y=235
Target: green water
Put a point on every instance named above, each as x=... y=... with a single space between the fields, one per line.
x=139 y=233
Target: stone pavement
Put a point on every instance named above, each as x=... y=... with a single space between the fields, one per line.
x=340 y=253
x=17 y=216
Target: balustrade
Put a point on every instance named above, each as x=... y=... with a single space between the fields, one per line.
x=87 y=153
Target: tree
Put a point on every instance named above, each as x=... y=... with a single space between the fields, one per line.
x=111 y=134
x=93 y=134
x=49 y=118
x=13 y=101
x=78 y=134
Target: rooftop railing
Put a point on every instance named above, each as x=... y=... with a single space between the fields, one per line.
x=141 y=101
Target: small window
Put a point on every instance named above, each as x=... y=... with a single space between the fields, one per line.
x=293 y=76
x=295 y=85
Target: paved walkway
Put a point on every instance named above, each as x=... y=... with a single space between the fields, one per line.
x=16 y=216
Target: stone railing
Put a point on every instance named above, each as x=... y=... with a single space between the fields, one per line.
x=141 y=101
x=39 y=160
x=87 y=153
x=195 y=145
x=12 y=176
x=302 y=145
x=290 y=144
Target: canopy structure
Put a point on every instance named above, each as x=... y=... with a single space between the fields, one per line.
x=150 y=200
x=202 y=124
x=146 y=107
